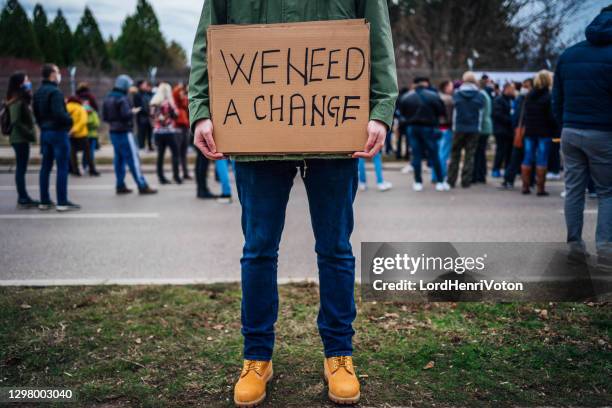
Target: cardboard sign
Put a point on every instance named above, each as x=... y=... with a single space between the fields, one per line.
x=290 y=88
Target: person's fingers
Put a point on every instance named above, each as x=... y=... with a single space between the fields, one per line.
x=362 y=155
x=210 y=141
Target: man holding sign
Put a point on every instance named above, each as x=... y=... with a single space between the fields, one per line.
x=300 y=107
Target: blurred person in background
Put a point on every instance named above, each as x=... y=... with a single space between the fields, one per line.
x=142 y=99
x=516 y=157
x=446 y=90
x=84 y=93
x=54 y=122
x=93 y=126
x=119 y=114
x=540 y=127
x=468 y=115
x=480 y=156
x=402 y=132
x=21 y=132
x=78 y=135
x=582 y=103
x=183 y=135
x=422 y=109
x=503 y=130
x=164 y=114
x=381 y=184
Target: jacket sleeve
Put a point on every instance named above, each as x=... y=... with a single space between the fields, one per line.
x=58 y=110
x=557 y=96
x=383 y=80
x=213 y=12
x=125 y=109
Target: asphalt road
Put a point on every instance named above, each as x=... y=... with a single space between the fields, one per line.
x=174 y=238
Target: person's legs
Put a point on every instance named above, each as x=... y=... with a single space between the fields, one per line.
x=119 y=141
x=263 y=191
x=141 y=135
x=133 y=161
x=61 y=151
x=87 y=156
x=331 y=186
x=201 y=171
x=514 y=165
x=467 y=173
x=73 y=165
x=378 y=168
x=431 y=145
x=175 y=155
x=183 y=145
x=46 y=166
x=161 y=142
x=480 y=160
x=499 y=153
x=362 y=171
x=22 y=156
x=554 y=158
x=576 y=166
x=598 y=148
x=446 y=143
x=223 y=172
x=459 y=142
x=507 y=150
x=415 y=141
x=542 y=153
x=529 y=160
x=149 y=135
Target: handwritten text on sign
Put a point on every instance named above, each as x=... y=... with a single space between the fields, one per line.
x=290 y=88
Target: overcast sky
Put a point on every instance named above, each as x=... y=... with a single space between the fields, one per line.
x=179 y=18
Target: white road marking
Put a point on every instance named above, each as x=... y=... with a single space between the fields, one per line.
x=76 y=215
x=104 y=187
x=593 y=211
x=133 y=282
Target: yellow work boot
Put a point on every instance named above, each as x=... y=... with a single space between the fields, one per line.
x=250 y=390
x=341 y=380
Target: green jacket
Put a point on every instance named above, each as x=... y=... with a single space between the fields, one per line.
x=22 y=121
x=487 y=115
x=93 y=123
x=383 y=82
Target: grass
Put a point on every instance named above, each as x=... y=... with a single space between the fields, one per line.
x=180 y=346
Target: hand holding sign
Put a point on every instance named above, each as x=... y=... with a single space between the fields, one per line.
x=377 y=133
x=204 y=141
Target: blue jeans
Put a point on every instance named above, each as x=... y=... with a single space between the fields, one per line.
x=537 y=150
x=377 y=160
x=263 y=190
x=126 y=153
x=22 y=156
x=93 y=144
x=588 y=151
x=444 y=148
x=54 y=146
x=222 y=168
x=421 y=139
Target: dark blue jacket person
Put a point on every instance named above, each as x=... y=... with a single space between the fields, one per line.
x=54 y=121
x=582 y=104
x=118 y=113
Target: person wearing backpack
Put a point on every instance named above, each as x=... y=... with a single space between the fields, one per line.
x=119 y=114
x=54 y=122
x=18 y=124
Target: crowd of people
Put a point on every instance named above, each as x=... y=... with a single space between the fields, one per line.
x=69 y=126
x=450 y=126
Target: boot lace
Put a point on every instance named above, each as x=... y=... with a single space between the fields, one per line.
x=252 y=365
x=341 y=362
